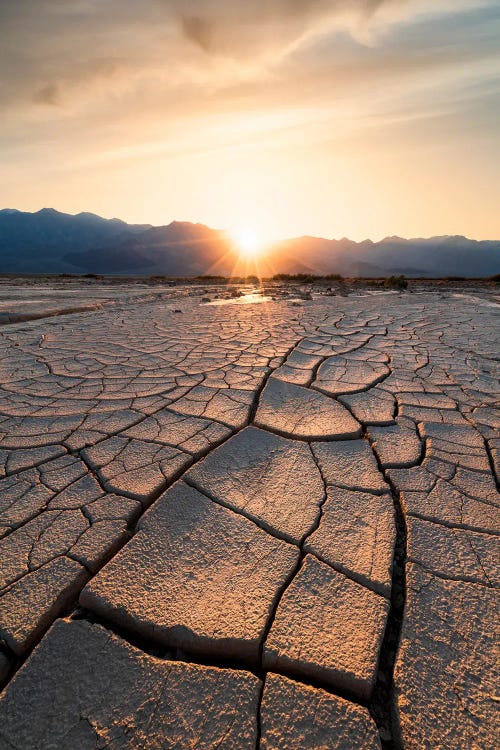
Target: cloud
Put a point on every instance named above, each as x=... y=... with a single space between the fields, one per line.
x=245 y=30
x=239 y=30
x=49 y=94
x=61 y=49
x=199 y=31
x=123 y=66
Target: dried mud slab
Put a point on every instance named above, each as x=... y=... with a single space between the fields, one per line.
x=230 y=406
x=397 y=446
x=95 y=690
x=28 y=607
x=195 y=576
x=12 y=461
x=189 y=434
x=269 y=479
x=356 y=536
x=425 y=495
x=135 y=468
x=298 y=716
x=59 y=527
x=295 y=375
x=328 y=628
x=351 y=373
x=447 y=672
x=25 y=495
x=373 y=407
x=457 y=554
x=297 y=412
x=350 y=464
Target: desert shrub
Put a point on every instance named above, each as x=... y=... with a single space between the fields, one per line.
x=210 y=277
x=396 y=282
x=302 y=278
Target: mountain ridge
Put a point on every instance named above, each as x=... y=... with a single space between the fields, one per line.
x=50 y=241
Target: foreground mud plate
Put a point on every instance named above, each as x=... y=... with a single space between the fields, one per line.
x=94 y=690
x=251 y=527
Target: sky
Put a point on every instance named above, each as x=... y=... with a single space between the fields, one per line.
x=357 y=118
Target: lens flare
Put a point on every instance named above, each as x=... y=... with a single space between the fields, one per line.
x=249 y=242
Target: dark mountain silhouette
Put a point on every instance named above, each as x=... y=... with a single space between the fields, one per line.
x=37 y=242
x=179 y=249
x=436 y=256
x=52 y=242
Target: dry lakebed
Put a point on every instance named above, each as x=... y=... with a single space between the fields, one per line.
x=268 y=523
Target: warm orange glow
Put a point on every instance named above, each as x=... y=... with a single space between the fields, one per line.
x=297 y=118
x=249 y=242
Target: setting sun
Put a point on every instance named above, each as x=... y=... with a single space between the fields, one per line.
x=249 y=242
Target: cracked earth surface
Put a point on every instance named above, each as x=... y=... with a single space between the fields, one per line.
x=251 y=526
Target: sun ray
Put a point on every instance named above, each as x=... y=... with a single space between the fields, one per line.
x=249 y=242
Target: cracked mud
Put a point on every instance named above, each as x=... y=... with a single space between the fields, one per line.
x=251 y=526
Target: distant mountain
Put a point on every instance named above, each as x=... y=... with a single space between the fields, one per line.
x=179 y=249
x=436 y=256
x=38 y=242
x=52 y=242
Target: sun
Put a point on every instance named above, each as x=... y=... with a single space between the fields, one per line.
x=249 y=242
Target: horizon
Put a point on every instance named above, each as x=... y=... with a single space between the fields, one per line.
x=276 y=240
x=326 y=118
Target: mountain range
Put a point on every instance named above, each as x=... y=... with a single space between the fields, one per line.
x=49 y=241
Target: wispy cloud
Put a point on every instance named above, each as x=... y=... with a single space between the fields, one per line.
x=95 y=83
x=48 y=94
x=63 y=45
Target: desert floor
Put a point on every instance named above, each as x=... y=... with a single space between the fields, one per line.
x=268 y=523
